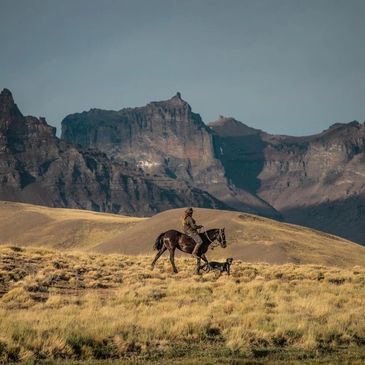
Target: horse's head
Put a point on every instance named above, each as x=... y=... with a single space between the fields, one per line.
x=222 y=238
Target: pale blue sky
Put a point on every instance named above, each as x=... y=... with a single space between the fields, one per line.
x=285 y=66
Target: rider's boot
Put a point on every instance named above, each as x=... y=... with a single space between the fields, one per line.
x=195 y=251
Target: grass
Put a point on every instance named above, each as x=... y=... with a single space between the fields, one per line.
x=72 y=307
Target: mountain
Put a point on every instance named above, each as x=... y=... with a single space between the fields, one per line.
x=250 y=238
x=163 y=139
x=316 y=181
x=37 y=167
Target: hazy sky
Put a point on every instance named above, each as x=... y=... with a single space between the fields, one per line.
x=285 y=66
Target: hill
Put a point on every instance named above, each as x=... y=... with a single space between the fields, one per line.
x=76 y=306
x=34 y=225
x=250 y=238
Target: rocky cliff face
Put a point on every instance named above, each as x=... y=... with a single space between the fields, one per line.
x=164 y=140
x=163 y=137
x=37 y=167
x=316 y=181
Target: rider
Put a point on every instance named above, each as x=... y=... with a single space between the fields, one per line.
x=191 y=229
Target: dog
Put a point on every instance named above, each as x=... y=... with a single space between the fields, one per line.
x=219 y=266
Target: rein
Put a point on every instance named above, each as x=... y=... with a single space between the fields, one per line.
x=214 y=244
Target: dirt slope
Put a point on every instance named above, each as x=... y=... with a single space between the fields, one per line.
x=250 y=238
x=33 y=225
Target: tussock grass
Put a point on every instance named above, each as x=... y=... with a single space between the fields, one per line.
x=77 y=306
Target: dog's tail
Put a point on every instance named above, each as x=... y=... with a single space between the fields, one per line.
x=159 y=242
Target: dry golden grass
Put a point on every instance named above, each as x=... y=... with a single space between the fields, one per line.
x=57 y=305
x=34 y=225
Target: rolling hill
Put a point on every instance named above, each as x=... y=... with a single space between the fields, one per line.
x=250 y=238
x=34 y=225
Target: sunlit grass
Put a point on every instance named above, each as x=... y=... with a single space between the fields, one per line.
x=77 y=306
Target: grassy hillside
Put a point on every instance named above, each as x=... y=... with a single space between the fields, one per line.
x=250 y=238
x=33 y=225
x=57 y=305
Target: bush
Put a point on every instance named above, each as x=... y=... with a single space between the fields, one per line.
x=8 y=353
x=84 y=346
x=78 y=342
x=104 y=350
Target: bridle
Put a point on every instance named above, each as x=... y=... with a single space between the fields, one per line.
x=215 y=244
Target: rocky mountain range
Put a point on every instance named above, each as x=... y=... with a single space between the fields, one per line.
x=316 y=181
x=37 y=167
x=164 y=139
x=143 y=160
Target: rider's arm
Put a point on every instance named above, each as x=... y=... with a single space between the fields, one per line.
x=191 y=223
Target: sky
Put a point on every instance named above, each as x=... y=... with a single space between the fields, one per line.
x=284 y=66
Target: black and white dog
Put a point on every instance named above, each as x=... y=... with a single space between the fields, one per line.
x=219 y=266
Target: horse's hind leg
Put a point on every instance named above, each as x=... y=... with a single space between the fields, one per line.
x=159 y=253
x=172 y=260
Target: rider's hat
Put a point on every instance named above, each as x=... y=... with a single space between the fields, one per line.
x=189 y=210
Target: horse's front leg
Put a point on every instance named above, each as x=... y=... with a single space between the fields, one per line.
x=204 y=258
x=198 y=260
x=159 y=253
x=172 y=260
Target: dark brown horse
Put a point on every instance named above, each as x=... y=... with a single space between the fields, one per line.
x=172 y=240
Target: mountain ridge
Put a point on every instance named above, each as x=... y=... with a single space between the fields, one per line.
x=321 y=173
x=163 y=138
x=38 y=167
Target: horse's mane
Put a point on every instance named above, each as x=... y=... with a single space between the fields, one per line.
x=200 y=233
x=210 y=230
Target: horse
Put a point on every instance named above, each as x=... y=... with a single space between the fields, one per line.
x=172 y=240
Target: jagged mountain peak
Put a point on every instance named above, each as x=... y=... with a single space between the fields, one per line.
x=352 y=124
x=342 y=131
x=176 y=102
x=178 y=95
x=6 y=93
x=231 y=127
x=7 y=104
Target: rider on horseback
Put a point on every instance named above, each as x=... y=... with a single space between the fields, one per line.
x=191 y=229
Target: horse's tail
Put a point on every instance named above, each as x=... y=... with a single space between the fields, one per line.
x=159 y=242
